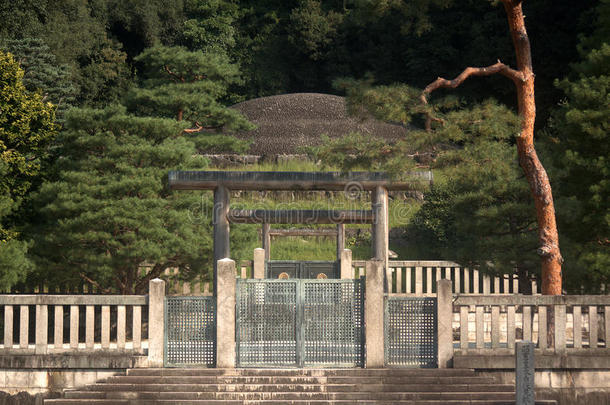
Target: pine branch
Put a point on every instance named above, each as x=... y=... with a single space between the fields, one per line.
x=174 y=75
x=440 y=82
x=95 y=283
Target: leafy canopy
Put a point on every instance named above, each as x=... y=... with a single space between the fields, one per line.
x=26 y=129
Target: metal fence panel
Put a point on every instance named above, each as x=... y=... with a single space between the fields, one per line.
x=410 y=332
x=190 y=331
x=266 y=323
x=333 y=320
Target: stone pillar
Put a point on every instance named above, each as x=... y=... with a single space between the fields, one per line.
x=373 y=314
x=259 y=263
x=444 y=318
x=225 y=314
x=222 y=247
x=266 y=241
x=380 y=232
x=42 y=324
x=346 y=264
x=156 y=317
x=524 y=373
x=340 y=240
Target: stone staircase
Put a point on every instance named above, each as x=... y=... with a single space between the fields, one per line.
x=298 y=387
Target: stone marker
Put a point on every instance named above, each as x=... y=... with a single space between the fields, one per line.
x=524 y=373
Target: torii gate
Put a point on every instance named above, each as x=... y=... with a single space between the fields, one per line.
x=222 y=182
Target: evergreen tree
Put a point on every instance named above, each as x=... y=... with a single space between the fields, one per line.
x=581 y=143
x=26 y=128
x=479 y=211
x=43 y=72
x=110 y=213
x=189 y=86
x=210 y=26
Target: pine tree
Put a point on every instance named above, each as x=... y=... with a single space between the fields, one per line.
x=187 y=86
x=43 y=73
x=479 y=211
x=581 y=144
x=109 y=213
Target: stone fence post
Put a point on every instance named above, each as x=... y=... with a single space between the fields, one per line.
x=258 y=264
x=225 y=314
x=444 y=318
x=373 y=313
x=346 y=264
x=156 y=317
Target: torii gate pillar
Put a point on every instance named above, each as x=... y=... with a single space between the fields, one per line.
x=380 y=231
x=222 y=246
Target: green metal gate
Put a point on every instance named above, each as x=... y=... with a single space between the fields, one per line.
x=410 y=332
x=300 y=323
x=289 y=269
x=190 y=331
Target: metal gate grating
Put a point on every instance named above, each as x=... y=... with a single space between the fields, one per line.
x=266 y=323
x=333 y=323
x=295 y=323
x=410 y=332
x=190 y=331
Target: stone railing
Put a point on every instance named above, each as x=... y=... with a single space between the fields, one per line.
x=564 y=329
x=65 y=315
x=77 y=325
x=420 y=277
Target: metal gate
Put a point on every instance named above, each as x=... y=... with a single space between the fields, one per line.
x=410 y=332
x=190 y=331
x=300 y=323
x=289 y=269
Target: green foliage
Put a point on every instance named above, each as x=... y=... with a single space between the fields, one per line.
x=580 y=129
x=105 y=78
x=211 y=25
x=312 y=31
x=187 y=85
x=138 y=24
x=43 y=73
x=357 y=151
x=480 y=213
x=26 y=129
x=398 y=103
x=109 y=212
x=22 y=18
x=14 y=263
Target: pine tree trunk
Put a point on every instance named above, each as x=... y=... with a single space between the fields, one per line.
x=528 y=158
x=523 y=78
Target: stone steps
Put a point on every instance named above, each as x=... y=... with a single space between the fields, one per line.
x=283 y=402
x=348 y=372
x=138 y=379
x=294 y=387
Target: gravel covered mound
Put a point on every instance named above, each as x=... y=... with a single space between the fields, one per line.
x=290 y=121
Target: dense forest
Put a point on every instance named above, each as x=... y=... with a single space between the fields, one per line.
x=101 y=98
